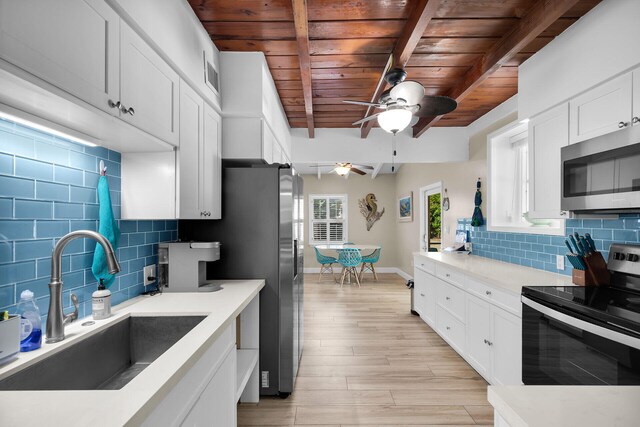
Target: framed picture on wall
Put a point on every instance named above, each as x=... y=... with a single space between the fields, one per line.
x=405 y=208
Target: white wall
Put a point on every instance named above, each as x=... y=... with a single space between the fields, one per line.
x=345 y=145
x=601 y=44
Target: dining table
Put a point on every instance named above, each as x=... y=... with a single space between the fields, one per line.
x=339 y=246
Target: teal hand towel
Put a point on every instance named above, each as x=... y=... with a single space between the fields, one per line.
x=108 y=228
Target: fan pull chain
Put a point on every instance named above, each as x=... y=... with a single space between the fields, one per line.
x=393 y=153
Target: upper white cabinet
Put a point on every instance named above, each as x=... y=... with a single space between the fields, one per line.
x=635 y=120
x=248 y=92
x=548 y=133
x=199 y=161
x=604 y=109
x=71 y=44
x=148 y=88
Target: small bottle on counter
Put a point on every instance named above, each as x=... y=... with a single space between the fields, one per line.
x=30 y=322
x=101 y=302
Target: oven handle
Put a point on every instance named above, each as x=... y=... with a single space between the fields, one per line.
x=585 y=326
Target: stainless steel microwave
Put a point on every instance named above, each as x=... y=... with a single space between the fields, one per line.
x=602 y=174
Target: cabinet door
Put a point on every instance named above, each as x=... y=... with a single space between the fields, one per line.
x=267 y=143
x=636 y=98
x=218 y=401
x=277 y=152
x=478 y=335
x=506 y=364
x=602 y=110
x=149 y=86
x=548 y=133
x=71 y=44
x=419 y=285
x=429 y=307
x=211 y=166
x=189 y=162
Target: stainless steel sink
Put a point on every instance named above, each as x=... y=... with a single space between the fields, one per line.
x=106 y=360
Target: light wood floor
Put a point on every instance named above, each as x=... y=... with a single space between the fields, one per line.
x=368 y=361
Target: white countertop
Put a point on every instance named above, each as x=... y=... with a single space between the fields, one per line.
x=510 y=277
x=130 y=405
x=565 y=406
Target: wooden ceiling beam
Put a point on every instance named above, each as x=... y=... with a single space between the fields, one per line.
x=302 y=37
x=412 y=32
x=535 y=22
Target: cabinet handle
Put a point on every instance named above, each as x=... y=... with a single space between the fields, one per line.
x=487 y=292
x=447 y=298
x=563 y=213
x=125 y=110
x=448 y=328
x=623 y=124
x=112 y=104
x=635 y=120
x=448 y=275
x=489 y=343
x=421 y=295
x=485 y=341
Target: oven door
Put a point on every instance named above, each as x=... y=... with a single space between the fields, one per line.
x=560 y=349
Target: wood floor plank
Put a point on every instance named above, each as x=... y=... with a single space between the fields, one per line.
x=368 y=361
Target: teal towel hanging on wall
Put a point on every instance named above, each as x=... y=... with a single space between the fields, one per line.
x=108 y=228
x=477 y=219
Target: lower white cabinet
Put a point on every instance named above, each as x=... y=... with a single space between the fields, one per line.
x=479 y=321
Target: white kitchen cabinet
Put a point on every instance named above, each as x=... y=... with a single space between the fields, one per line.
x=199 y=163
x=425 y=295
x=252 y=140
x=478 y=335
x=419 y=286
x=604 y=109
x=548 y=133
x=506 y=345
x=635 y=120
x=71 y=44
x=149 y=88
x=211 y=161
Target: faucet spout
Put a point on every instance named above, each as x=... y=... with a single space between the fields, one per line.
x=56 y=320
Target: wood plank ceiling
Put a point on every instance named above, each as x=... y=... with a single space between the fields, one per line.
x=350 y=41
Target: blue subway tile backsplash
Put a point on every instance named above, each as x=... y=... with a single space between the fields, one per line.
x=539 y=251
x=47 y=189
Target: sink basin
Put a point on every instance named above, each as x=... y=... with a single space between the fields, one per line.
x=106 y=360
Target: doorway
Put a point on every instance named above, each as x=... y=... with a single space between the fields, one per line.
x=431 y=218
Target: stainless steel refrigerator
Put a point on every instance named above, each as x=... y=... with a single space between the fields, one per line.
x=261 y=235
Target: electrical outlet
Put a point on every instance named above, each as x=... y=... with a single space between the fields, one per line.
x=265 y=379
x=149 y=271
x=560 y=262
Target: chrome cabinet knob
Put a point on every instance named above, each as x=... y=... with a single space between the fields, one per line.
x=563 y=213
x=421 y=295
x=487 y=292
x=448 y=275
x=485 y=341
x=447 y=298
x=448 y=328
x=126 y=110
x=623 y=124
x=112 y=104
x=489 y=343
x=635 y=120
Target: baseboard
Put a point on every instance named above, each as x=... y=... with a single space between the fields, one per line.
x=396 y=270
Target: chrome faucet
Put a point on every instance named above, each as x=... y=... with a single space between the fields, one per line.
x=56 y=319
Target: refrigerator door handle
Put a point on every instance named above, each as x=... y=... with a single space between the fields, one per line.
x=295 y=258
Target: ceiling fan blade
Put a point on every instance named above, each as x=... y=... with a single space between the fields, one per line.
x=368 y=104
x=366 y=119
x=431 y=106
x=412 y=92
x=323 y=166
x=358 y=171
x=363 y=167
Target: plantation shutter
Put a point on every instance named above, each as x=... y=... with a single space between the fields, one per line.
x=328 y=223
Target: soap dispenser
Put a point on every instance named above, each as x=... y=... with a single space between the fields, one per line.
x=101 y=302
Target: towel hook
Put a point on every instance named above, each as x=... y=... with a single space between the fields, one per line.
x=103 y=168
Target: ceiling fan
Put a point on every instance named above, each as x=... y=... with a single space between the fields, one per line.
x=343 y=169
x=402 y=101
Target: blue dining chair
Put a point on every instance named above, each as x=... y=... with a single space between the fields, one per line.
x=326 y=264
x=349 y=259
x=368 y=262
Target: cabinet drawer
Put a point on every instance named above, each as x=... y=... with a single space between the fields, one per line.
x=497 y=297
x=424 y=264
x=451 y=298
x=450 y=275
x=451 y=329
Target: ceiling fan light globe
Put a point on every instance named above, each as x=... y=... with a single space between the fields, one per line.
x=342 y=170
x=394 y=121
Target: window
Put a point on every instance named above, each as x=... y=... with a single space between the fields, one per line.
x=328 y=219
x=508 y=189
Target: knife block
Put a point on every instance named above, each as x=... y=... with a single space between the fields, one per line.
x=597 y=270
x=581 y=278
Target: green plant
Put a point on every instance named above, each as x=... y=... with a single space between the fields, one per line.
x=434 y=216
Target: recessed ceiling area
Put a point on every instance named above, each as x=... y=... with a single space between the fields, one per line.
x=378 y=169
x=323 y=51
